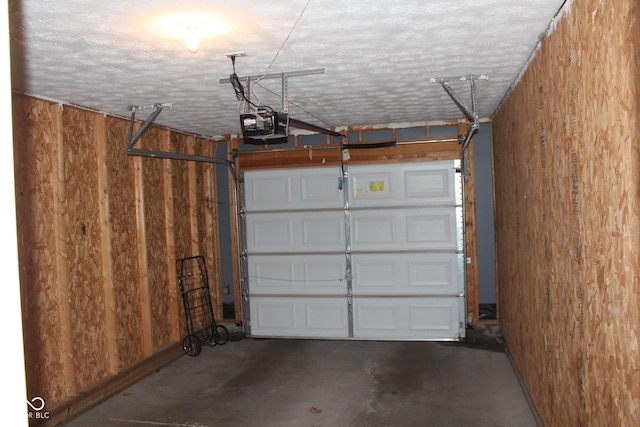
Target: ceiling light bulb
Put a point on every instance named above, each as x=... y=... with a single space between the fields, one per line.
x=193 y=36
x=193 y=44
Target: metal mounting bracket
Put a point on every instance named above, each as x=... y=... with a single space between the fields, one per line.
x=470 y=113
x=284 y=79
x=157 y=109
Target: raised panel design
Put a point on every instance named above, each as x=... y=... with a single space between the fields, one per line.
x=297 y=275
x=375 y=319
x=430 y=227
x=434 y=316
x=297 y=189
x=325 y=316
x=299 y=317
x=322 y=230
x=270 y=232
x=406 y=274
x=407 y=318
x=401 y=184
x=274 y=314
x=321 y=190
x=295 y=232
x=404 y=229
x=267 y=190
x=429 y=185
x=404 y=236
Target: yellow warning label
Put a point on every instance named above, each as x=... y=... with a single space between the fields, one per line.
x=376 y=186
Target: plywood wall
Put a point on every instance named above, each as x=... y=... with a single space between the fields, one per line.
x=50 y=367
x=567 y=177
x=99 y=232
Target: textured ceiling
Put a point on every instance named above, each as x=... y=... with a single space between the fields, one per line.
x=378 y=56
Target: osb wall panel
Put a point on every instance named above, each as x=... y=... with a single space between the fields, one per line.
x=162 y=286
x=96 y=242
x=207 y=219
x=80 y=210
x=35 y=157
x=124 y=243
x=567 y=218
x=182 y=211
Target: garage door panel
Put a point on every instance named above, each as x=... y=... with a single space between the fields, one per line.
x=408 y=274
x=321 y=190
x=295 y=232
x=383 y=259
x=408 y=318
x=265 y=191
x=404 y=229
x=390 y=185
x=279 y=189
x=297 y=274
x=434 y=185
x=270 y=231
x=299 y=317
x=323 y=229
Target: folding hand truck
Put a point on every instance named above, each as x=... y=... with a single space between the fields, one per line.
x=193 y=281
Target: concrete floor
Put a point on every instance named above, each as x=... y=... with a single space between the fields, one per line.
x=313 y=383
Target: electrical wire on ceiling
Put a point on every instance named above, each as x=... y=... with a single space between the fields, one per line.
x=240 y=93
x=239 y=89
x=286 y=40
x=295 y=24
x=297 y=106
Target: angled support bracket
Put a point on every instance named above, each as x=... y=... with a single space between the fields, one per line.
x=470 y=113
x=157 y=109
x=132 y=139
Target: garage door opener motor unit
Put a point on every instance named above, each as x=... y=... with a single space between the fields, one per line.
x=264 y=124
x=261 y=122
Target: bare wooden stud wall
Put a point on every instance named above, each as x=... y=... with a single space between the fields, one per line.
x=106 y=250
x=99 y=232
x=125 y=255
x=471 y=248
x=83 y=250
x=567 y=177
x=208 y=221
x=159 y=229
x=99 y=289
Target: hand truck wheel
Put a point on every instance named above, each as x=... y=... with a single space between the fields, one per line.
x=191 y=345
x=219 y=337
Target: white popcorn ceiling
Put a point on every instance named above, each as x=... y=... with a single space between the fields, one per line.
x=378 y=57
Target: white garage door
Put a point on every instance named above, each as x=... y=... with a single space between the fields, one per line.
x=381 y=258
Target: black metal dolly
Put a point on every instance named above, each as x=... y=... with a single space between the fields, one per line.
x=193 y=281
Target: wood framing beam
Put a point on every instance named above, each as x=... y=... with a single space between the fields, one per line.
x=106 y=249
